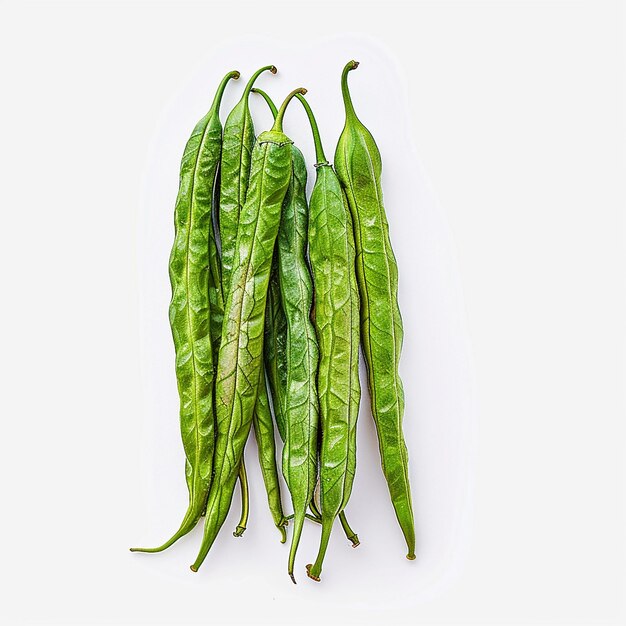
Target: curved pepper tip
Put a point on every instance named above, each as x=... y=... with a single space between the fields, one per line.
x=235 y=75
x=293 y=578
x=273 y=69
x=352 y=65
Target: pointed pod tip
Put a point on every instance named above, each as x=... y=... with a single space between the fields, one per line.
x=293 y=578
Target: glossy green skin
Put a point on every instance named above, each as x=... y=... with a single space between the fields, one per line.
x=236 y=155
x=240 y=357
x=336 y=318
x=216 y=297
x=189 y=310
x=301 y=405
x=275 y=348
x=239 y=141
x=358 y=165
x=275 y=353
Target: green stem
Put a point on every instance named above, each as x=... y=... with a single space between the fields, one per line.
x=350 y=534
x=245 y=504
x=248 y=88
x=278 y=122
x=270 y=102
x=319 y=150
x=347 y=99
x=234 y=75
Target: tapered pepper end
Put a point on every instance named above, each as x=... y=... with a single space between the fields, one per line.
x=308 y=573
x=278 y=122
x=355 y=541
x=234 y=75
x=293 y=578
x=347 y=100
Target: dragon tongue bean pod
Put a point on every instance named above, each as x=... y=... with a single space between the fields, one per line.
x=240 y=357
x=336 y=319
x=358 y=165
x=190 y=308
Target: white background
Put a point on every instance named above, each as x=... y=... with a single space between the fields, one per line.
x=517 y=118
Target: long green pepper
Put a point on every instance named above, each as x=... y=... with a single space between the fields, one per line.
x=237 y=148
x=240 y=357
x=358 y=165
x=190 y=308
x=336 y=320
x=301 y=405
x=276 y=330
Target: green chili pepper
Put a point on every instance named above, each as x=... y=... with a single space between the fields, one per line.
x=358 y=165
x=216 y=297
x=301 y=405
x=238 y=144
x=275 y=348
x=190 y=308
x=336 y=319
x=235 y=173
x=240 y=357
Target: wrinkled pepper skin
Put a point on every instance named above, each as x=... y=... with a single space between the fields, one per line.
x=236 y=156
x=336 y=320
x=190 y=311
x=240 y=358
x=301 y=404
x=358 y=165
x=239 y=141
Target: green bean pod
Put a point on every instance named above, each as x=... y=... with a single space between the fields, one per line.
x=358 y=165
x=301 y=405
x=241 y=349
x=189 y=310
x=336 y=320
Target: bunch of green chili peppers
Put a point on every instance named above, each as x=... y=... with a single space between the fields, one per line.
x=272 y=295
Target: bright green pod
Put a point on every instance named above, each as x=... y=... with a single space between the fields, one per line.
x=189 y=310
x=336 y=320
x=241 y=349
x=359 y=166
x=300 y=402
x=276 y=340
x=239 y=141
x=237 y=147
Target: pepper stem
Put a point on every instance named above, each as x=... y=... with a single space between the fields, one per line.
x=270 y=102
x=319 y=150
x=347 y=99
x=278 y=122
x=220 y=90
x=254 y=76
